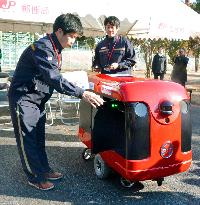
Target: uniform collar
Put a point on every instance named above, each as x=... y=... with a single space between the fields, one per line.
x=112 y=38
x=56 y=42
x=160 y=54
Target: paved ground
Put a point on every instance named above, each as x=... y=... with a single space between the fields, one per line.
x=80 y=185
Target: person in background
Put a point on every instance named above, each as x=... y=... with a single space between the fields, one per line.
x=36 y=76
x=114 y=54
x=179 y=72
x=159 y=64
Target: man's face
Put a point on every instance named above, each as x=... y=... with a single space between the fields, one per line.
x=111 y=30
x=66 y=40
x=160 y=50
x=181 y=52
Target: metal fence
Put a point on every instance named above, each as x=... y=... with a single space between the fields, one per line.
x=12 y=45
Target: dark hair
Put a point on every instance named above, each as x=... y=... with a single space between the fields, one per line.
x=69 y=23
x=182 y=49
x=112 y=20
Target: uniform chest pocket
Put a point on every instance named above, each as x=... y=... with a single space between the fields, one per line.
x=103 y=55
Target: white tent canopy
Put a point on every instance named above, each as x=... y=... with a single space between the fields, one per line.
x=141 y=18
x=173 y=19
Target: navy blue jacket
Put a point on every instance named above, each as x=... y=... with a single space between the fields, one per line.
x=120 y=50
x=37 y=74
x=159 y=64
x=179 y=72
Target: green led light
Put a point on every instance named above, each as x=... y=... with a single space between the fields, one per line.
x=114 y=105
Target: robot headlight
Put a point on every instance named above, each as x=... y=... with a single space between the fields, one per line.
x=141 y=109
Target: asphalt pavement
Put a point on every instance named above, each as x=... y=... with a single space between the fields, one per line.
x=80 y=185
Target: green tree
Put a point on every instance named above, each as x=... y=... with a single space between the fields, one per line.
x=194 y=46
x=196 y=6
x=86 y=41
x=149 y=47
x=91 y=42
x=174 y=46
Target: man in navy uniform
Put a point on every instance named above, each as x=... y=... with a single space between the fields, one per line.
x=159 y=64
x=36 y=76
x=114 y=54
x=179 y=72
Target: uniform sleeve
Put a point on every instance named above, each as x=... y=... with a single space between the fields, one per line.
x=96 y=61
x=47 y=66
x=128 y=60
x=186 y=60
x=175 y=59
x=153 y=63
x=165 y=65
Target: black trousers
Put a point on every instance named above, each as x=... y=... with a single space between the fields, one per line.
x=29 y=127
x=156 y=75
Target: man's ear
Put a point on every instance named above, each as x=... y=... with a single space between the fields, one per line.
x=60 y=31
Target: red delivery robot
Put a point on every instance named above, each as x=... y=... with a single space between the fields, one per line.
x=143 y=130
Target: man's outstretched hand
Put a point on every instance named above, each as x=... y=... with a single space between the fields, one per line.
x=92 y=98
